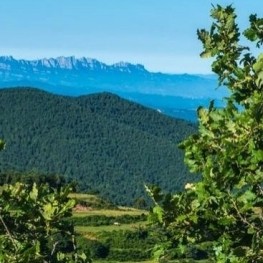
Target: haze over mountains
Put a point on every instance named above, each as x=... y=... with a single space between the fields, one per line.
x=109 y=144
x=175 y=94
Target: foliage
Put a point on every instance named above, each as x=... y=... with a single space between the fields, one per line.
x=104 y=142
x=222 y=213
x=94 y=201
x=31 y=177
x=117 y=244
x=96 y=248
x=126 y=245
x=2 y=145
x=33 y=226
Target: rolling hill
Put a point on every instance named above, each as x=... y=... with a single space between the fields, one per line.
x=108 y=144
x=177 y=95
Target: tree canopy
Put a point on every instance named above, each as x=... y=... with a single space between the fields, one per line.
x=107 y=144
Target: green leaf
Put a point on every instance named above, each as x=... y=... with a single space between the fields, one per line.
x=258 y=66
x=2 y=145
x=158 y=211
x=206 y=54
x=247 y=197
x=250 y=34
x=34 y=193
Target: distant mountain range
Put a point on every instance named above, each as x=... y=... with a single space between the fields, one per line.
x=106 y=143
x=175 y=94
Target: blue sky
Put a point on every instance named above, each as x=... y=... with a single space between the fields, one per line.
x=160 y=34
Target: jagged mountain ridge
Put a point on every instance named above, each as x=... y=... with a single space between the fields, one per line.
x=93 y=74
x=170 y=93
x=67 y=63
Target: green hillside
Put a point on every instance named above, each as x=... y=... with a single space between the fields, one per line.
x=106 y=143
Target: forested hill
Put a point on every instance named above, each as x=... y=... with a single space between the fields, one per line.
x=107 y=143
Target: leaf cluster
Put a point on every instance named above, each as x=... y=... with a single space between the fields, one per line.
x=33 y=226
x=223 y=209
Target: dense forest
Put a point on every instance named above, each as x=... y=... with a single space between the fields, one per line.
x=218 y=218
x=105 y=143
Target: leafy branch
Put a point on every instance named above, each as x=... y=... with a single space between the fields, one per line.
x=221 y=215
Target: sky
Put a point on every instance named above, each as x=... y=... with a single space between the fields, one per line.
x=160 y=34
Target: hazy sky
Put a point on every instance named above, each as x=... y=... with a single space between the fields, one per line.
x=160 y=34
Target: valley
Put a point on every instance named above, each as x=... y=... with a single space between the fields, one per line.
x=119 y=234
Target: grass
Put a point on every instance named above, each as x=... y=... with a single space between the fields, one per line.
x=95 y=229
x=106 y=261
x=89 y=205
x=91 y=210
x=154 y=261
x=89 y=200
x=190 y=261
x=109 y=212
x=81 y=196
x=105 y=211
x=119 y=211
